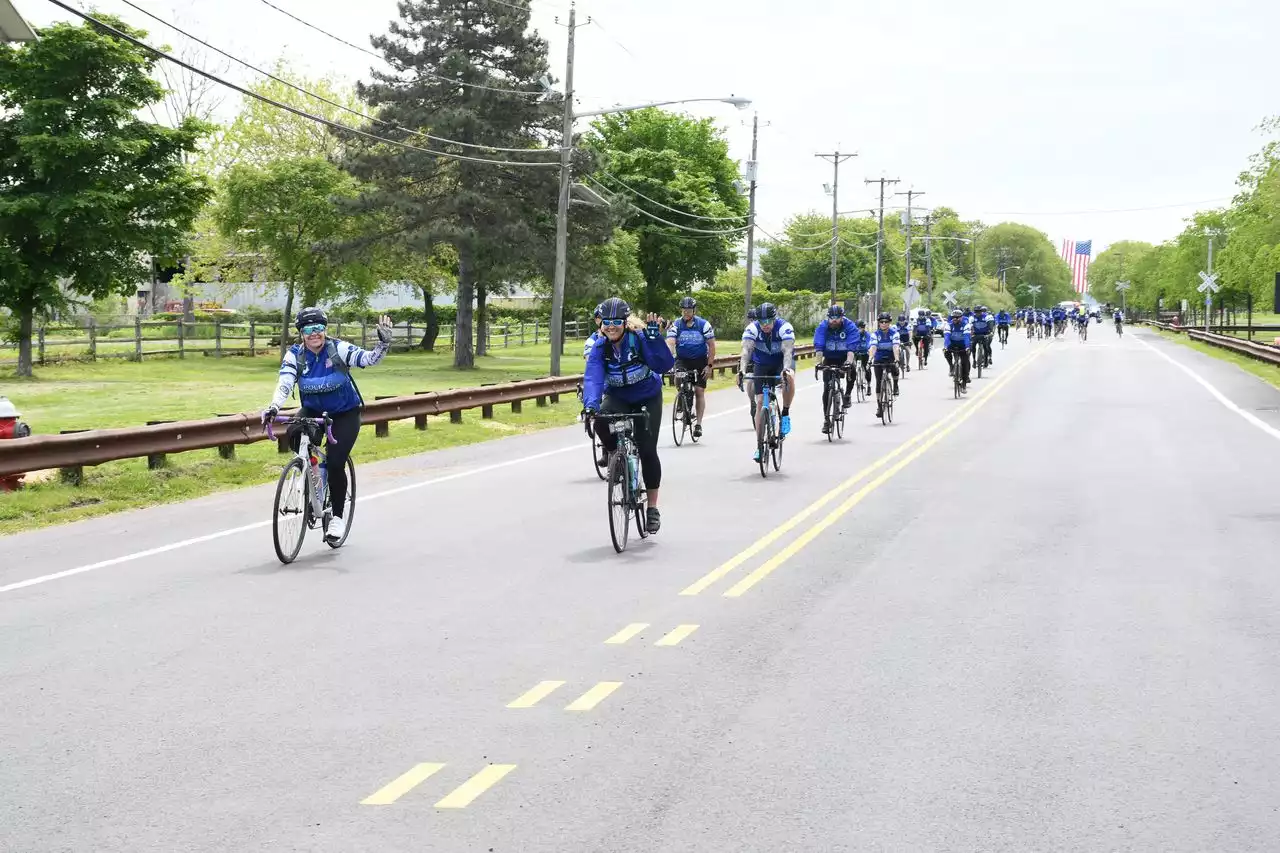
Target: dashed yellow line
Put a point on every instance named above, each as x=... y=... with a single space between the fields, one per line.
x=402 y=785
x=674 y=638
x=627 y=633
x=594 y=696
x=463 y=795
x=536 y=694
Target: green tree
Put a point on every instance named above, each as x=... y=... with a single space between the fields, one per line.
x=281 y=223
x=495 y=217
x=90 y=188
x=802 y=259
x=1029 y=258
x=675 y=168
x=1120 y=262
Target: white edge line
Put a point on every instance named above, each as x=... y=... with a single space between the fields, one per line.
x=1218 y=395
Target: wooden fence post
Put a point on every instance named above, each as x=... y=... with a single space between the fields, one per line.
x=408 y=335
x=217 y=338
x=364 y=335
x=156 y=460
x=182 y=339
x=253 y=338
x=40 y=345
x=383 y=429
x=137 y=339
x=506 y=336
x=535 y=332
x=74 y=474
x=93 y=339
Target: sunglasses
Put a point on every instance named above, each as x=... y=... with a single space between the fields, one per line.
x=313 y=329
x=885 y=322
x=617 y=321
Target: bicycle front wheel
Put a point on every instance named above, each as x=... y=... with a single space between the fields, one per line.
x=838 y=425
x=619 y=492
x=348 y=506
x=763 y=441
x=775 y=438
x=289 y=514
x=678 y=425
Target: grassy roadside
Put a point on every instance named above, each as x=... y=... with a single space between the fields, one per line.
x=124 y=394
x=1262 y=370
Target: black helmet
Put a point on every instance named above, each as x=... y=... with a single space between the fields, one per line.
x=862 y=324
x=767 y=312
x=884 y=317
x=598 y=312
x=688 y=302
x=835 y=312
x=902 y=318
x=752 y=314
x=614 y=308
x=310 y=317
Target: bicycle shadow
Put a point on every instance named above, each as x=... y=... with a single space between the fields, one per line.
x=605 y=553
x=320 y=561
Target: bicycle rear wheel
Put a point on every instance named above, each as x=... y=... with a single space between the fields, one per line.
x=838 y=422
x=289 y=514
x=980 y=357
x=348 y=507
x=641 y=501
x=775 y=438
x=762 y=441
x=619 y=492
x=678 y=424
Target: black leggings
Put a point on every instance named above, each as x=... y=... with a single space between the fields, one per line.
x=346 y=429
x=646 y=436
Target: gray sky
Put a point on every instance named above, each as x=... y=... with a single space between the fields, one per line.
x=1004 y=109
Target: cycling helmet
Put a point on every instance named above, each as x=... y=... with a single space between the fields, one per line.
x=751 y=314
x=598 y=307
x=835 y=312
x=688 y=302
x=768 y=312
x=310 y=317
x=614 y=309
x=956 y=313
x=862 y=324
x=884 y=317
x=902 y=318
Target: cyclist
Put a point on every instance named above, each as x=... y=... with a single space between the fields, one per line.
x=693 y=342
x=1002 y=325
x=884 y=355
x=624 y=374
x=923 y=330
x=1046 y=324
x=320 y=367
x=593 y=337
x=981 y=328
x=1082 y=325
x=769 y=346
x=751 y=397
x=862 y=352
x=904 y=340
x=1118 y=316
x=835 y=339
x=955 y=342
x=1059 y=318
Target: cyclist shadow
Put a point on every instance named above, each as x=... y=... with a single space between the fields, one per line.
x=606 y=554
x=321 y=561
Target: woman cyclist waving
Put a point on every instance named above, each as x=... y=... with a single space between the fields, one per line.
x=320 y=366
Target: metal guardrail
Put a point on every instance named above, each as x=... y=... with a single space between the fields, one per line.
x=1262 y=352
x=71 y=451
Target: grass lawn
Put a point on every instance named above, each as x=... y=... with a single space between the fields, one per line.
x=1260 y=369
x=118 y=394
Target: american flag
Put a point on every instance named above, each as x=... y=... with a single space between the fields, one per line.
x=1076 y=253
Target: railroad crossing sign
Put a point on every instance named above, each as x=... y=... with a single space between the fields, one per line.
x=1035 y=288
x=1123 y=286
x=1208 y=283
x=949 y=297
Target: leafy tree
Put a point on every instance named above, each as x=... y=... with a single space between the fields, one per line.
x=1120 y=262
x=89 y=187
x=282 y=224
x=680 y=164
x=494 y=217
x=1036 y=260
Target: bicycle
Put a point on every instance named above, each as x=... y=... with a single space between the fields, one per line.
x=904 y=359
x=1004 y=336
x=884 y=397
x=597 y=446
x=625 y=489
x=769 y=436
x=1120 y=328
x=956 y=377
x=979 y=353
x=833 y=385
x=302 y=498
x=1084 y=332
x=862 y=385
x=922 y=353
x=682 y=413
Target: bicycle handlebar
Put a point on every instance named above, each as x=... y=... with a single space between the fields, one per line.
x=325 y=421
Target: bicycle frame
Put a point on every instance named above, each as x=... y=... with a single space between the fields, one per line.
x=305 y=451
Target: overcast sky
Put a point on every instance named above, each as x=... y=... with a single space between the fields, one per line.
x=1053 y=115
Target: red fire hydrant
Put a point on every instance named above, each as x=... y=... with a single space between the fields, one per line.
x=11 y=427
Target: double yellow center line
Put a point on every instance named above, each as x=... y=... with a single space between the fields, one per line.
x=909 y=451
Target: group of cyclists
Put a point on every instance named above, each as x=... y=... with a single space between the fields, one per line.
x=1042 y=323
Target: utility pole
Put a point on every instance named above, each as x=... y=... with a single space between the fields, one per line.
x=836 y=159
x=562 y=210
x=910 y=194
x=1208 y=293
x=880 y=238
x=752 y=169
x=928 y=256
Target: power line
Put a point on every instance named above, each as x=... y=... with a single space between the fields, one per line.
x=1104 y=210
x=300 y=113
x=669 y=207
x=398 y=66
x=644 y=212
x=325 y=100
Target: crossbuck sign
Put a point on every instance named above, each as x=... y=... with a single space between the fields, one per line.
x=1208 y=283
x=949 y=296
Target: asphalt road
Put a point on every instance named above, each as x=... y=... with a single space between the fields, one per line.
x=1041 y=619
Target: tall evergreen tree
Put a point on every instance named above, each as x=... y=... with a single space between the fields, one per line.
x=467 y=71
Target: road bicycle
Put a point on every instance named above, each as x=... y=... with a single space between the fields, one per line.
x=862 y=385
x=956 y=375
x=769 y=436
x=833 y=389
x=922 y=352
x=626 y=494
x=904 y=358
x=683 y=412
x=303 y=500
x=884 y=397
x=1083 y=329
x=1004 y=336
x=979 y=354
x=1120 y=328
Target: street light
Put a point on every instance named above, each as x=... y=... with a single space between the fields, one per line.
x=562 y=212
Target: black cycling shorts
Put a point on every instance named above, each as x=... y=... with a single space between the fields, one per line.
x=695 y=364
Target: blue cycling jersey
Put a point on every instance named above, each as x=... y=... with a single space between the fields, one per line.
x=630 y=370
x=691 y=338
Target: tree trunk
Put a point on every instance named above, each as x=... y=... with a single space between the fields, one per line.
x=24 y=342
x=463 y=355
x=285 y=319
x=482 y=319
x=433 y=320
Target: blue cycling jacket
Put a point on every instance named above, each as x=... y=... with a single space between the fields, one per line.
x=835 y=341
x=629 y=371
